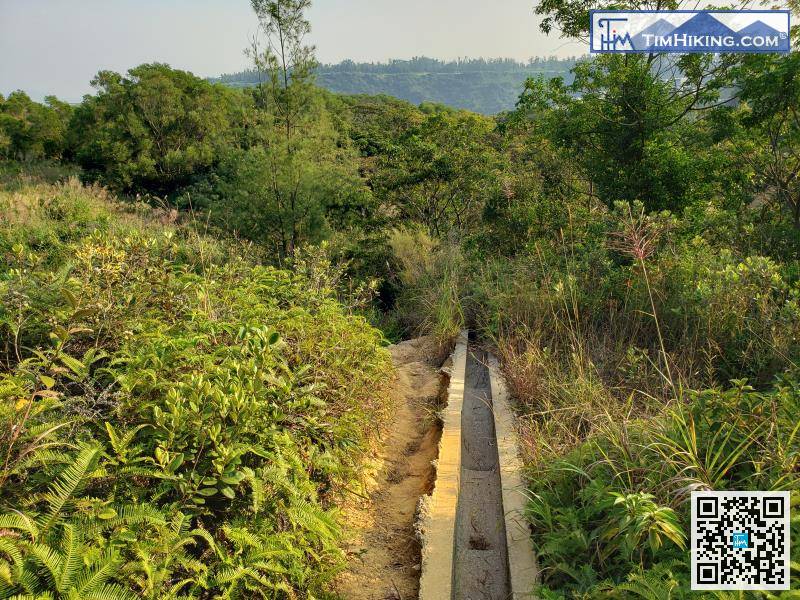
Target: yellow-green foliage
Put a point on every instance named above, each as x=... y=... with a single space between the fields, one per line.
x=175 y=413
x=432 y=279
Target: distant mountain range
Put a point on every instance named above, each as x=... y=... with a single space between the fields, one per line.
x=485 y=86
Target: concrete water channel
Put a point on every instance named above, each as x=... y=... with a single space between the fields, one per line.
x=481 y=556
x=476 y=543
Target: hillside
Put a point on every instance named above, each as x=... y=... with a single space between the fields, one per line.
x=483 y=86
x=198 y=282
x=169 y=408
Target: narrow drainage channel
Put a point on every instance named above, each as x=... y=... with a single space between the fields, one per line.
x=481 y=555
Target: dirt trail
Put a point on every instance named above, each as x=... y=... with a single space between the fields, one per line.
x=384 y=555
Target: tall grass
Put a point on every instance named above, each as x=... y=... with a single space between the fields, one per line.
x=432 y=275
x=646 y=361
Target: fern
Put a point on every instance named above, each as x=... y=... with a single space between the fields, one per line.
x=69 y=572
x=70 y=482
x=42 y=457
x=93 y=582
x=71 y=550
x=50 y=559
x=124 y=516
x=19 y=522
x=163 y=557
x=125 y=454
x=658 y=583
x=38 y=448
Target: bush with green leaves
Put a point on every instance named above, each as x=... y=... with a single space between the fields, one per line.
x=30 y=130
x=613 y=514
x=153 y=130
x=178 y=421
x=606 y=327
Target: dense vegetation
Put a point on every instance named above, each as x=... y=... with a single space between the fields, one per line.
x=185 y=408
x=177 y=418
x=483 y=86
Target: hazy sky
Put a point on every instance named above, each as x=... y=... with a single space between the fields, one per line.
x=56 y=46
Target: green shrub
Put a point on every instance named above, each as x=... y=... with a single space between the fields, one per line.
x=433 y=282
x=232 y=402
x=733 y=439
x=605 y=329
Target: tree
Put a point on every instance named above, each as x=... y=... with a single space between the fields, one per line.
x=440 y=172
x=628 y=123
x=770 y=86
x=31 y=131
x=628 y=115
x=282 y=200
x=286 y=181
x=153 y=131
x=295 y=176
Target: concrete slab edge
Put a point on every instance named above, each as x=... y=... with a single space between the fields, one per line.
x=438 y=511
x=522 y=565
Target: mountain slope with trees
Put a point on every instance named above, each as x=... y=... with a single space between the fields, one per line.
x=479 y=85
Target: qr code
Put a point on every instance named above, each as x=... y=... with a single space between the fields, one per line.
x=740 y=540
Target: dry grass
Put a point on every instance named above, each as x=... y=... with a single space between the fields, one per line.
x=432 y=274
x=561 y=401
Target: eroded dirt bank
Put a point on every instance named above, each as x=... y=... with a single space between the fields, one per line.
x=384 y=553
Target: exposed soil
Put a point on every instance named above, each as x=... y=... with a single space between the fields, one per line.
x=384 y=552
